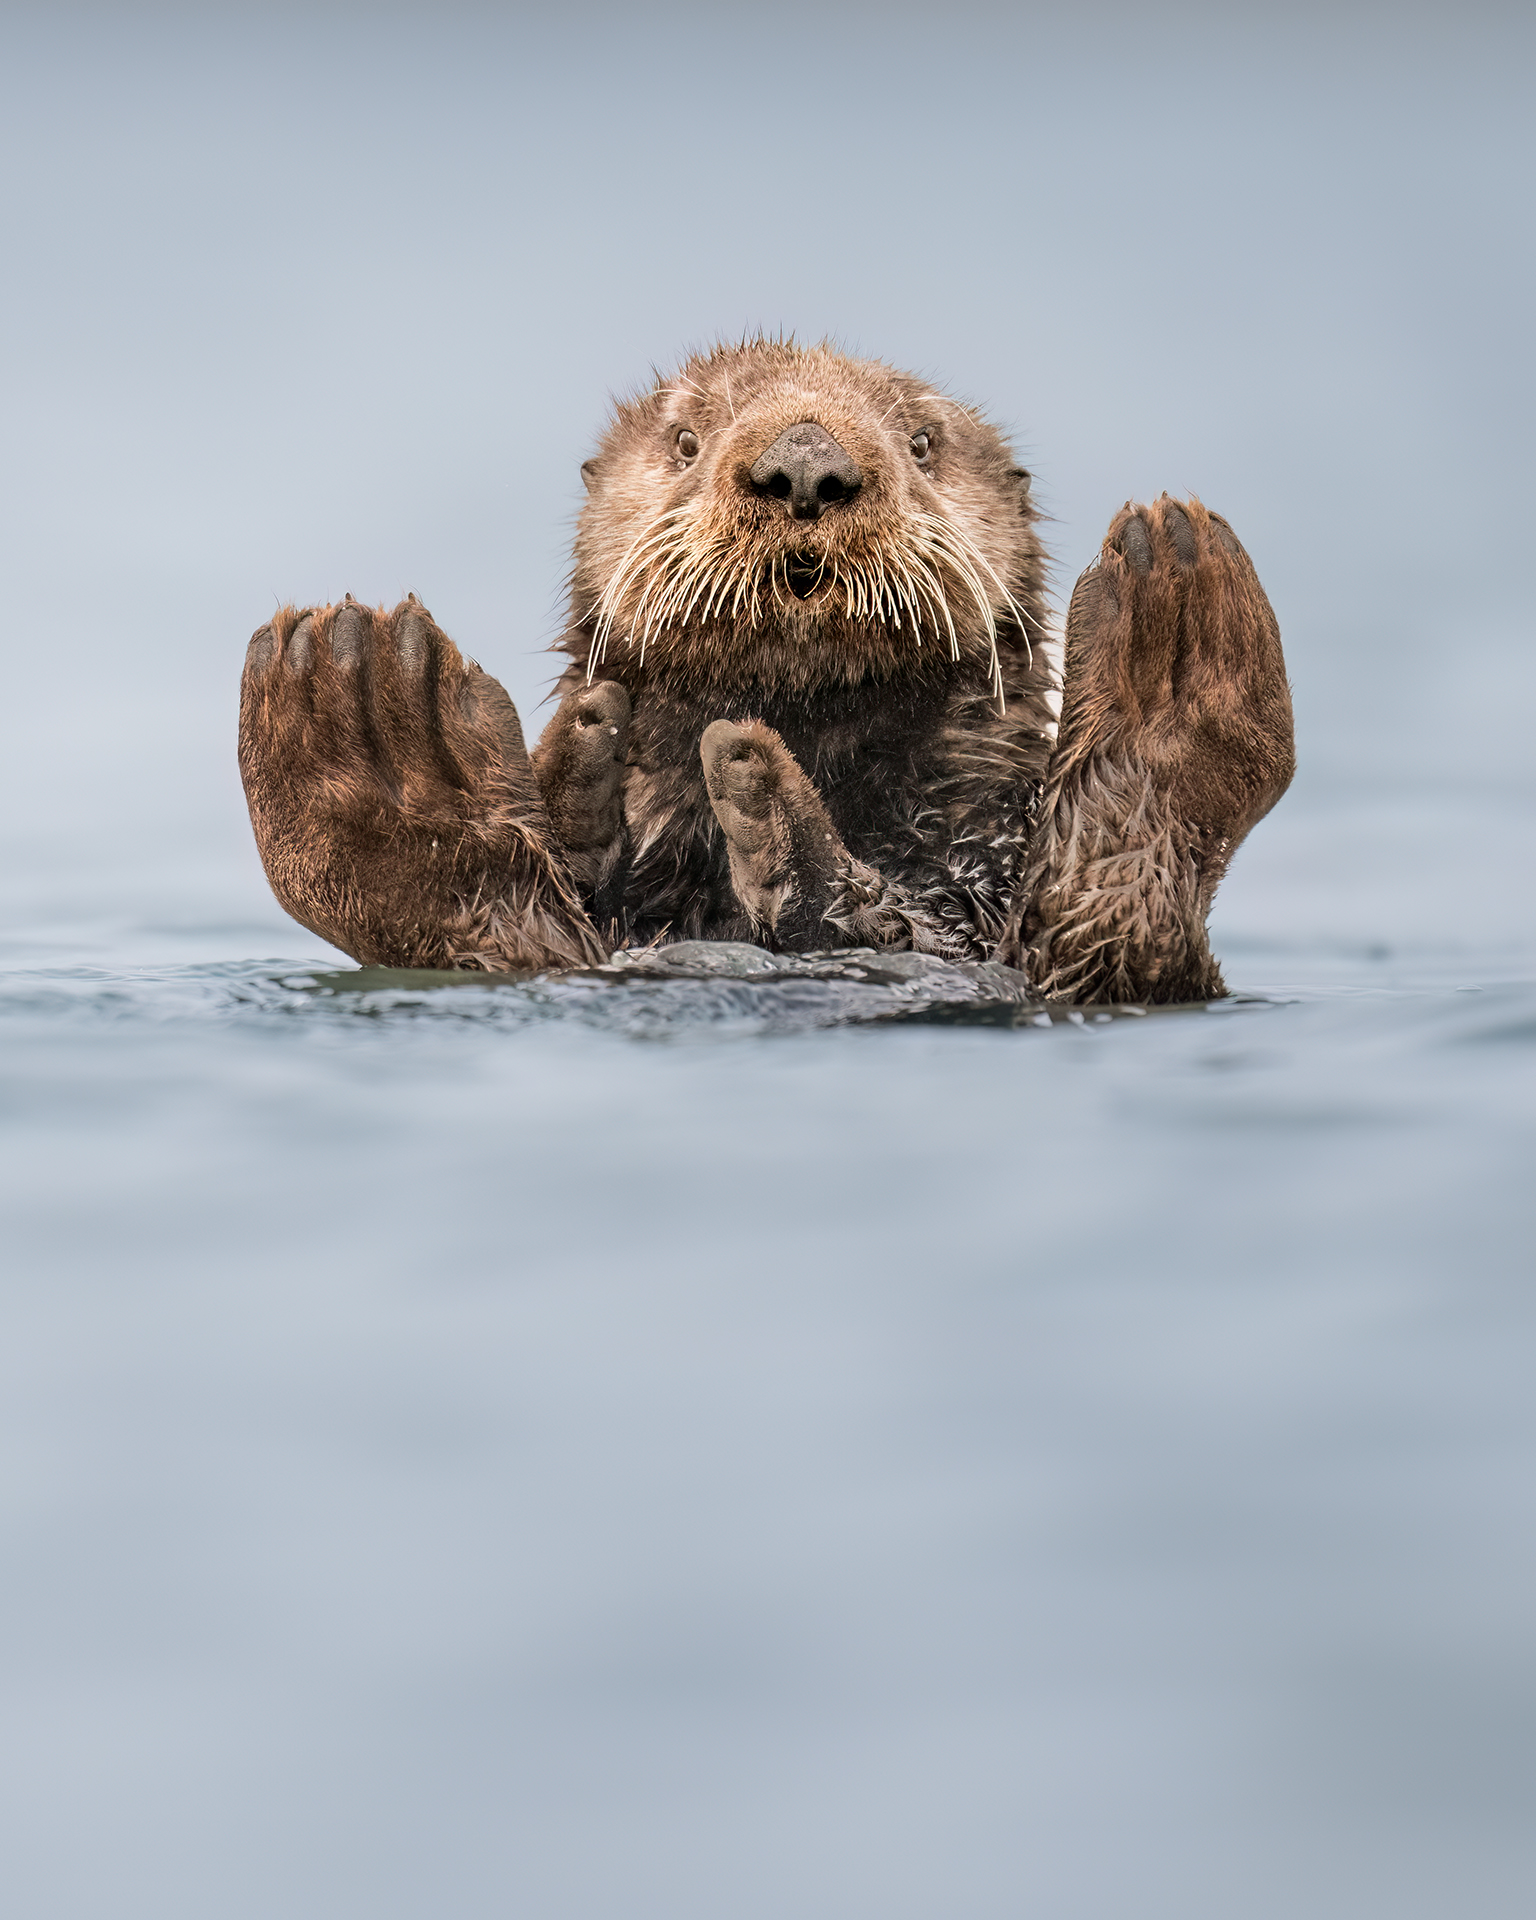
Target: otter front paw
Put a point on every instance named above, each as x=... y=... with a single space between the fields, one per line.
x=798 y=884
x=784 y=851
x=579 y=762
x=394 y=806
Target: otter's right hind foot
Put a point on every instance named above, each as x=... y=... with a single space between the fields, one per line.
x=394 y=806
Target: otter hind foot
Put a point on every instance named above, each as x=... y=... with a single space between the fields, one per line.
x=1179 y=667
x=394 y=806
x=1175 y=739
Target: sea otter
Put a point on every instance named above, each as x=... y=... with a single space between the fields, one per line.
x=810 y=702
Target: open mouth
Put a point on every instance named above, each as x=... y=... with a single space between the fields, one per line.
x=805 y=573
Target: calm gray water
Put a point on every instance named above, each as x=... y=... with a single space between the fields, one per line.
x=627 y=1450
x=681 y=1450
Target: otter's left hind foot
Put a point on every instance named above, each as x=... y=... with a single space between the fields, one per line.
x=1175 y=738
x=793 y=877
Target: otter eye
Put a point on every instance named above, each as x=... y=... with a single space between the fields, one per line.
x=919 y=446
x=687 y=444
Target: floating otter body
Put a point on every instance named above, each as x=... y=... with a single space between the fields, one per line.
x=809 y=703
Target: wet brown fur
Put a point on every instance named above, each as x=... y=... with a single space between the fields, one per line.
x=394 y=805
x=1175 y=739
x=873 y=763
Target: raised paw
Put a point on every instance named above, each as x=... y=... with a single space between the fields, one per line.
x=1175 y=739
x=1174 y=661
x=394 y=805
x=579 y=762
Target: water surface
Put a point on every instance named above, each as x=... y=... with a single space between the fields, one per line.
x=597 y=1448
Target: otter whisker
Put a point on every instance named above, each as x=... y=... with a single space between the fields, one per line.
x=915 y=590
x=960 y=541
x=701 y=575
x=933 y=587
x=889 y=608
x=905 y=588
x=728 y=576
x=720 y=587
x=691 y=575
x=706 y=574
x=673 y=589
x=982 y=564
x=629 y=569
x=947 y=542
x=641 y=558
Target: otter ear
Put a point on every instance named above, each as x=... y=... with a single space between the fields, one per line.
x=589 y=474
x=1022 y=475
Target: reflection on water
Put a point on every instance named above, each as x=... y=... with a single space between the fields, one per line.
x=883 y=1452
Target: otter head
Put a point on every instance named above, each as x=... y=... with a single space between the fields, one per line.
x=781 y=516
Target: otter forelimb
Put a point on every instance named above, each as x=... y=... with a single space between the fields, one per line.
x=795 y=880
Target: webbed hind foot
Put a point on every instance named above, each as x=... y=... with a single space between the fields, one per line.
x=1175 y=739
x=395 y=809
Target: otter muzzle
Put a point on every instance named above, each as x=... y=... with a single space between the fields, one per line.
x=807 y=468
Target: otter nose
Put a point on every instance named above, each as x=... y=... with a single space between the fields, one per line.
x=806 y=467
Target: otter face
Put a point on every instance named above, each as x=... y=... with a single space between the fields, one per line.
x=784 y=512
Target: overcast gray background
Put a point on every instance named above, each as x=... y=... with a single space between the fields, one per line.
x=301 y=302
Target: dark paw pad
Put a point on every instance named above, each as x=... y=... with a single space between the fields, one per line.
x=742 y=777
x=1094 y=600
x=414 y=634
x=1180 y=533
x=262 y=651
x=300 y=648
x=580 y=765
x=1134 y=543
x=350 y=631
x=1161 y=533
